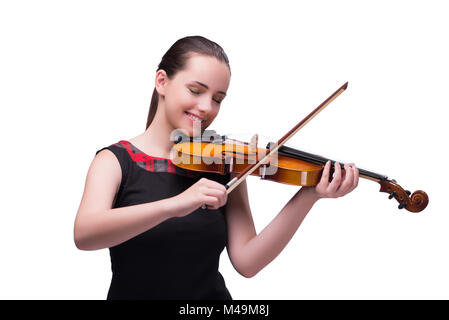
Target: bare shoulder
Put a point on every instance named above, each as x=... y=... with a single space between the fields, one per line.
x=106 y=161
x=102 y=182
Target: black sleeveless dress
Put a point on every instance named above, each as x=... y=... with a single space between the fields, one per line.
x=177 y=259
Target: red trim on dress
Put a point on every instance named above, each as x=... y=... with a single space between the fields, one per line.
x=147 y=160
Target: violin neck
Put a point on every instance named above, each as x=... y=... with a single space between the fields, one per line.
x=318 y=160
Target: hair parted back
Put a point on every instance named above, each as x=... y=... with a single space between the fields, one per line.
x=175 y=60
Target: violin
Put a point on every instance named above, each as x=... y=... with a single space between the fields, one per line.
x=211 y=152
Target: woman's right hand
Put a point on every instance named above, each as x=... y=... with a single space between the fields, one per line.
x=203 y=192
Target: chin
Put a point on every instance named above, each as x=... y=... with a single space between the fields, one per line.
x=191 y=130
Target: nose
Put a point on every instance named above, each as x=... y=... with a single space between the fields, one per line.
x=204 y=106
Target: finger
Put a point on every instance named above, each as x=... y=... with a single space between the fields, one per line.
x=356 y=177
x=335 y=183
x=324 y=181
x=322 y=185
x=213 y=192
x=221 y=195
x=211 y=202
x=347 y=180
x=213 y=184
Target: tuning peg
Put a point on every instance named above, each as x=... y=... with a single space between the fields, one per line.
x=408 y=192
x=392 y=195
x=402 y=205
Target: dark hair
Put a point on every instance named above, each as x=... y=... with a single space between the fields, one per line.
x=175 y=59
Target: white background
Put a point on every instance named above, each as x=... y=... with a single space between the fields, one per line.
x=76 y=76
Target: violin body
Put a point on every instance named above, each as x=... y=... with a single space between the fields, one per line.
x=235 y=156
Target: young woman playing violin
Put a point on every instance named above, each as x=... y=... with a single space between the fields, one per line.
x=166 y=227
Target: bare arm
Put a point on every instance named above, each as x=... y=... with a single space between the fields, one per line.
x=250 y=252
x=98 y=226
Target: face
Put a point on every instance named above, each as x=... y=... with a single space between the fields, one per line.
x=193 y=96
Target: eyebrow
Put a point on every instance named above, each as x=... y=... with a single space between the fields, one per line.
x=205 y=86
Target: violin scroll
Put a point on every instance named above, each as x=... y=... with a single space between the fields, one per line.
x=415 y=202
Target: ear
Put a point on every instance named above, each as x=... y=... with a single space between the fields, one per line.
x=161 y=82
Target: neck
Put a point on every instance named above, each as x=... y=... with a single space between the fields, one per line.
x=156 y=137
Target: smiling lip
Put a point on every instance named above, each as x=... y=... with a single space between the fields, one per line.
x=197 y=118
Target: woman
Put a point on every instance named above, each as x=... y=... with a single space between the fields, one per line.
x=166 y=227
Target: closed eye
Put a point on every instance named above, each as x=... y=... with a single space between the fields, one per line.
x=196 y=92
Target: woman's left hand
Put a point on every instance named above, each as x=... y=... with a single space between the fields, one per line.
x=343 y=181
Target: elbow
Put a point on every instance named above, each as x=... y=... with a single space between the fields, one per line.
x=83 y=244
x=81 y=240
x=247 y=272
x=79 y=245
x=87 y=240
x=86 y=235
x=78 y=237
x=244 y=265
